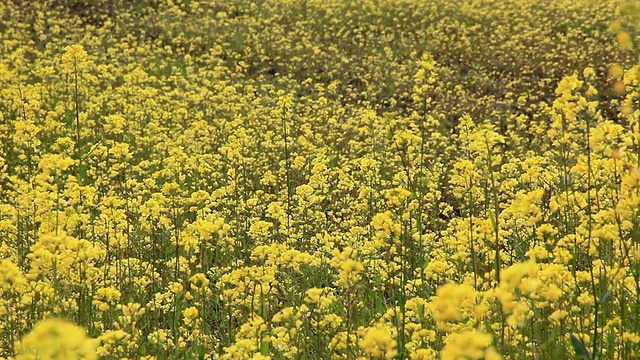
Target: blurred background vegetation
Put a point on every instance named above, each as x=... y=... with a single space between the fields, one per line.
x=495 y=58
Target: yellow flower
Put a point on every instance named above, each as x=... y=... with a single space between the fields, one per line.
x=350 y=272
x=558 y=315
x=207 y=227
x=313 y=295
x=616 y=71
x=53 y=339
x=625 y=40
x=106 y=297
x=452 y=303
x=510 y=277
x=473 y=345
x=553 y=293
x=379 y=343
x=189 y=314
x=113 y=340
x=11 y=277
x=199 y=282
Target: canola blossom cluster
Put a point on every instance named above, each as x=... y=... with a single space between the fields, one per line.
x=304 y=179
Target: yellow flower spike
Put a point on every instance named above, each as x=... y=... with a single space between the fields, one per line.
x=74 y=58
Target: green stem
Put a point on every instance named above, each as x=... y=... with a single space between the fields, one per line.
x=288 y=171
x=594 y=343
x=496 y=211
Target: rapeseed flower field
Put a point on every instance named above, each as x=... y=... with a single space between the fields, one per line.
x=304 y=179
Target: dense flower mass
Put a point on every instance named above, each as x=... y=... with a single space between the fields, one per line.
x=304 y=179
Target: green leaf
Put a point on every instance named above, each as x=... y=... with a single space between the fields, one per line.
x=421 y=311
x=263 y=311
x=265 y=349
x=492 y=217
x=606 y=296
x=580 y=349
x=426 y=263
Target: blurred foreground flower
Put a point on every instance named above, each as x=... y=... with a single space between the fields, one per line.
x=56 y=339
